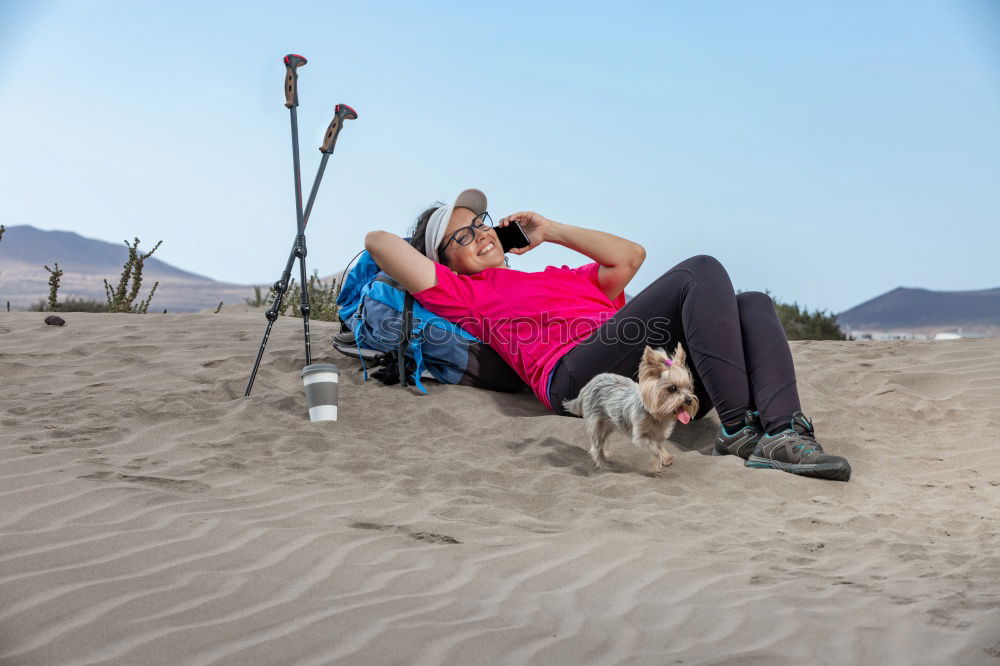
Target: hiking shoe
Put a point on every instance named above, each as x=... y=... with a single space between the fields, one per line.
x=796 y=450
x=742 y=442
x=345 y=338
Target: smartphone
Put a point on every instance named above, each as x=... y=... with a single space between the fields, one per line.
x=511 y=236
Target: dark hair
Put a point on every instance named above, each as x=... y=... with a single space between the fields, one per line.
x=418 y=232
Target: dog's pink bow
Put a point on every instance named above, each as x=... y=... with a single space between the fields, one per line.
x=668 y=362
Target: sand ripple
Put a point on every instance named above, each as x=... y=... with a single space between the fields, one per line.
x=148 y=514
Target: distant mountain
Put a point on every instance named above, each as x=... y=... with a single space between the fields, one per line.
x=926 y=311
x=24 y=250
x=29 y=245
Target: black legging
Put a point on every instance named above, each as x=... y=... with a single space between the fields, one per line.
x=737 y=349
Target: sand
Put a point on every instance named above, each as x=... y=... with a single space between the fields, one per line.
x=151 y=515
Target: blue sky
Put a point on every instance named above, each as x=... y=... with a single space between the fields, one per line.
x=827 y=151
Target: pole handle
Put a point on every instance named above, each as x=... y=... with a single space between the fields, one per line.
x=292 y=63
x=341 y=112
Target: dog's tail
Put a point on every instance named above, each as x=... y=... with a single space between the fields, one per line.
x=573 y=406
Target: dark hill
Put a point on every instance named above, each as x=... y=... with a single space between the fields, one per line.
x=907 y=308
x=29 y=245
x=87 y=262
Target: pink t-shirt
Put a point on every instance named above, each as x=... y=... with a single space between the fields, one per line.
x=530 y=319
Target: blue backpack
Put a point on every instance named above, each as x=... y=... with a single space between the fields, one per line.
x=390 y=328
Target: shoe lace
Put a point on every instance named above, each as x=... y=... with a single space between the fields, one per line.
x=803 y=428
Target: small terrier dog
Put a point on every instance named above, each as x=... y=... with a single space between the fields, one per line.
x=648 y=409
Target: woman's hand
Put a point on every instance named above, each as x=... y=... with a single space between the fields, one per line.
x=536 y=227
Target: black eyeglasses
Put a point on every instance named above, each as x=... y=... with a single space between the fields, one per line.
x=467 y=234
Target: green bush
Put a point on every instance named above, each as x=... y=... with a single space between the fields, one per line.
x=73 y=304
x=258 y=299
x=800 y=324
x=55 y=275
x=322 y=299
x=122 y=298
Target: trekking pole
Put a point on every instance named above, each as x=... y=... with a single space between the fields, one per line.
x=292 y=62
x=342 y=112
x=329 y=141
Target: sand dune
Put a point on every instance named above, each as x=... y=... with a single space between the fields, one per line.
x=149 y=514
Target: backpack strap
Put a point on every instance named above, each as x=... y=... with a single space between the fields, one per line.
x=404 y=339
x=415 y=346
x=418 y=358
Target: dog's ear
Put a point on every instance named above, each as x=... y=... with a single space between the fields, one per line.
x=649 y=393
x=651 y=365
x=679 y=355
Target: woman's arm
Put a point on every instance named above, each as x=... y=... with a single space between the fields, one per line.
x=619 y=258
x=401 y=261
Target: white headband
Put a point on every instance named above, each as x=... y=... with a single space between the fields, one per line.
x=472 y=199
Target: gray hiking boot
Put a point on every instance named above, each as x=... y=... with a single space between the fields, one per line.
x=742 y=442
x=796 y=451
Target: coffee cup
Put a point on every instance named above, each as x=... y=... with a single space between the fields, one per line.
x=320 y=382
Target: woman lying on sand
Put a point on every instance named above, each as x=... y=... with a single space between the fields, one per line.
x=559 y=327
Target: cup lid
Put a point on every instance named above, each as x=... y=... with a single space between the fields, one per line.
x=318 y=367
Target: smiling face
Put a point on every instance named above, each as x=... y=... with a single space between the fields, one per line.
x=471 y=259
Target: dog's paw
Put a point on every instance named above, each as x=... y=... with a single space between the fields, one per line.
x=660 y=460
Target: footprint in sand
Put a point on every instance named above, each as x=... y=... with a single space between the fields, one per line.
x=180 y=485
x=429 y=537
x=929 y=385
